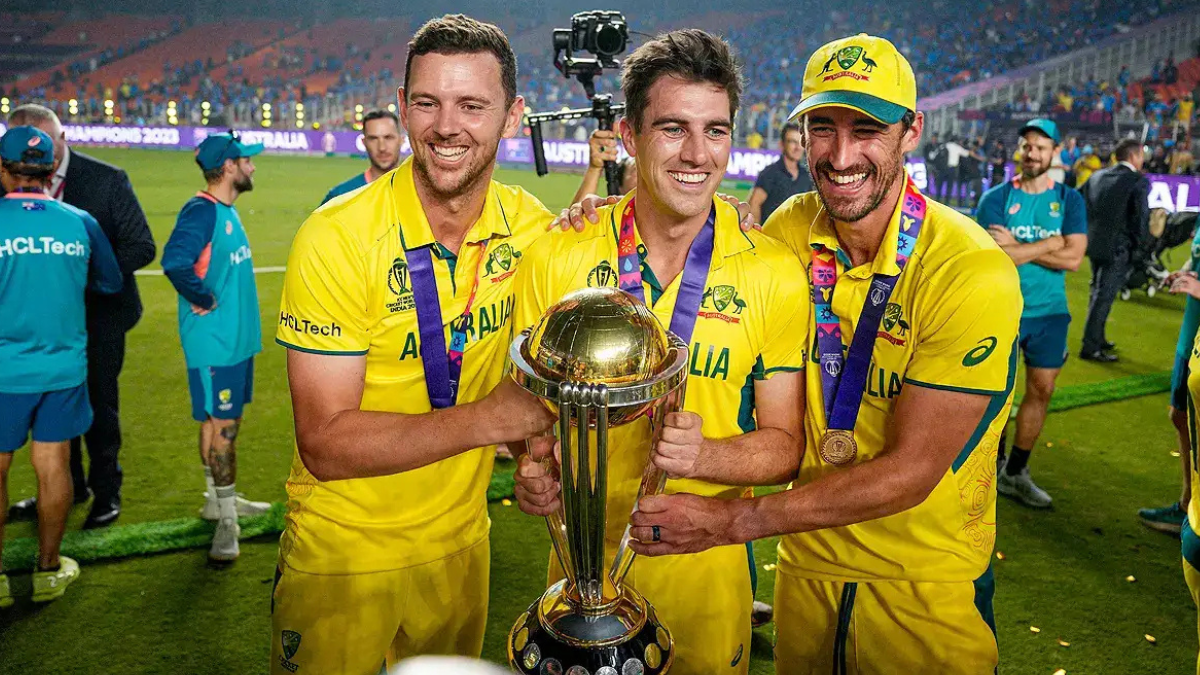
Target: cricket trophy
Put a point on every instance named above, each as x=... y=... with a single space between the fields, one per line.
x=599 y=359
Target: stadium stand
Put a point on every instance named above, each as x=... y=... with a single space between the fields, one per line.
x=333 y=67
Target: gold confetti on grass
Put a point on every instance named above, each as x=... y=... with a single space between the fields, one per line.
x=1061 y=671
x=1150 y=638
x=1174 y=453
x=1063 y=643
x=1130 y=578
x=1000 y=555
x=769 y=567
x=1034 y=629
x=506 y=502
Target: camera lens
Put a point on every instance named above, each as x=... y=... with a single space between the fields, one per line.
x=610 y=40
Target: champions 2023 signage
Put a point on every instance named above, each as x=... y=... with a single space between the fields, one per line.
x=1173 y=193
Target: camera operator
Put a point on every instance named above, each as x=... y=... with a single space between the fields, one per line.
x=602 y=147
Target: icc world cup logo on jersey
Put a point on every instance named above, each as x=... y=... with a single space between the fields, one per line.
x=399 y=284
x=602 y=275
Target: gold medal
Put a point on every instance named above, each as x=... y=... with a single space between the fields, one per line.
x=839 y=447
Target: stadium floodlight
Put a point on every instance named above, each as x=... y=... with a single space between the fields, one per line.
x=108 y=103
x=170 y=104
x=266 y=106
x=266 y=122
x=73 y=103
x=205 y=105
x=392 y=107
x=316 y=126
x=358 y=108
x=299 y=107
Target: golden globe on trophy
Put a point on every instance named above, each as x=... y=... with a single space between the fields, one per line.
x=599 y=359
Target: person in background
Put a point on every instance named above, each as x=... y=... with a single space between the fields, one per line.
x=383 y=140
x=1170 y=518
x=934 y=152
x=1042 y=226
x=1067 y=157
x=956 y=154
x=208 y=261
x=1118 y=228
x=997 y=158
x=782 y=179
x=105 y=193
x=602 y=147
x=49 y=255
x=1157 y=162
x=1087 y=164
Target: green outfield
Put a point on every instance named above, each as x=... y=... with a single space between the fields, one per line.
x=1064 y=597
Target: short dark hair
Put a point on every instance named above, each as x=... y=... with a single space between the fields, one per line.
x=40 y=172
x=692 y=55
x=1126 y=149
x=459 y=34
x=790 y=126
x=215 y=174
x=379 y=115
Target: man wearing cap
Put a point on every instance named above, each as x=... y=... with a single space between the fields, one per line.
x=888 y=529
x=208 y=262
x=104 y=191
x=1042 y=226
x=49 y=254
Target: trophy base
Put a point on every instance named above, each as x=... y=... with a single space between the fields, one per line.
x=555 y=637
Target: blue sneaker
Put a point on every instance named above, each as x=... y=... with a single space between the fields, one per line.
x=1167 y=519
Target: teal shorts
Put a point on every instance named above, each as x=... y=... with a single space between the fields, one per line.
x=1043 y=340
x=52 y=417
x=221 y=392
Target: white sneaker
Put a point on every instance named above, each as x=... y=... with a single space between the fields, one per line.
x=225 y=541
x=245 y=507
x=1022 y=488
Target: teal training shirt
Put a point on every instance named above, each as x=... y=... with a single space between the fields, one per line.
x=49 y=254
x=1032 y=218
x=348 y=185
x=1191 y=312
x=208 y=261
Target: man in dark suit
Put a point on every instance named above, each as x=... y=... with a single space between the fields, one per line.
x=105 y=192
x=1118 y=210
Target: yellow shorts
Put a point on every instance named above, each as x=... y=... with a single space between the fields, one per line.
x=705 y=600
x=1192 y=577
x=883 y=628
x=354 y=623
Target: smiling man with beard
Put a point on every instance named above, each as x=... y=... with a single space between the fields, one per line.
x=738 y=299
x=1042 y=226
x=396 y=315
x=208 y=261
x=887 y=530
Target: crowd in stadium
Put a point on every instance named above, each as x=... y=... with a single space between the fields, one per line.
x=343 y=68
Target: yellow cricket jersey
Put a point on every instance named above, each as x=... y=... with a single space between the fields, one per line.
x=348 y=292
x=1193 y=381
x=753 y=323
x=951 y=323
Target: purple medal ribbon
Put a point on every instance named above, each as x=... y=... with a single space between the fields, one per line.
x=443 y=367
x=691 y=285
x=842 y=402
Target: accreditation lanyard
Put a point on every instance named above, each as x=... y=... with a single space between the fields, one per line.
x=695 y=271
x=843 y=378
x=443 y=367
